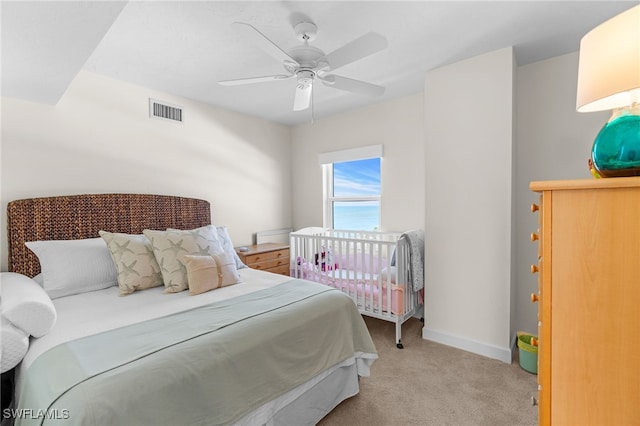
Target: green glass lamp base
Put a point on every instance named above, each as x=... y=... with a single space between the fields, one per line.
x=616 y=150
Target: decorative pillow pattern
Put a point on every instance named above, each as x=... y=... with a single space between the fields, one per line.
x=227 y=246
x=202 y=272
x=227 y=271
x=26 y=304
x=134 y=259
x=170 y=246
x=74 y=266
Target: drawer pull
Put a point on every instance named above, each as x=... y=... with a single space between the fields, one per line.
x=534 y=208
x=534 y=237
x=534 y=298
x=534 y=269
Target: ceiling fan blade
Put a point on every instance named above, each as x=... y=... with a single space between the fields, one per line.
x=251 y=80
x=263 y=42
x=359 y=48
x=351 y=85
x=303 y=97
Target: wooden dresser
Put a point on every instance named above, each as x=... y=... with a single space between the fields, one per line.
x=269 y=257
x=589 y=301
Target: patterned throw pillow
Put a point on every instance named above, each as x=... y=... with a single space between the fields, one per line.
x=134 y=260
x=170 y=246
x=227 y=245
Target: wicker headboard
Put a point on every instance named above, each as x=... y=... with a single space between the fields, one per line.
x=82 y=216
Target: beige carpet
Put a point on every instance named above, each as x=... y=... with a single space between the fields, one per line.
x=431 y=384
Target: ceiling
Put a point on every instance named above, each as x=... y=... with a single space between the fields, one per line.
x=185 y=48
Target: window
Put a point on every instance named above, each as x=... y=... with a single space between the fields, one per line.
x=352 y=194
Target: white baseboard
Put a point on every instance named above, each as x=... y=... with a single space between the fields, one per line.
x=469 y=345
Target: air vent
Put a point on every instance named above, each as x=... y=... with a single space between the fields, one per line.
x=164 y=111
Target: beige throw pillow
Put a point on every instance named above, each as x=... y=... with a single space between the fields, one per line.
x=227 y=271
x=170 y=247
x=135 y=262
x=202 y=273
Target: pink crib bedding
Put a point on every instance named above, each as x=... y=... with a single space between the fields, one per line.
x=361 y=283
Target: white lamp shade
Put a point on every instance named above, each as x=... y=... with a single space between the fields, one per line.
x=609 y=67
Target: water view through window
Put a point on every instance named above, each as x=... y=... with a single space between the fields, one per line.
x=356 y=195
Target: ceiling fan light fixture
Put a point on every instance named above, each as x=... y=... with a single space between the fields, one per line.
x=306 y=31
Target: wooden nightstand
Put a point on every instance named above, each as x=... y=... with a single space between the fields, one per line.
x=270 y=257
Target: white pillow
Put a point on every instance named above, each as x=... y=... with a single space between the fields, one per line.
x=15 y=343
x=26 y=304
x=227 y=246
x=74 y=266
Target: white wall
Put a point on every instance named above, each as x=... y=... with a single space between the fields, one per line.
x=553 y=142
x=99 y=138
x=398 y=126
x=468 y=166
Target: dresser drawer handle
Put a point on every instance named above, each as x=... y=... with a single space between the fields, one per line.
x=534 y=269
x=534 y=208
x=534 y=298
x=534 y=237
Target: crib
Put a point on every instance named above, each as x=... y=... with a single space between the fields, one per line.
x=373 y=268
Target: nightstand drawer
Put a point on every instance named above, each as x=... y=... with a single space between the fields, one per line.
x=282 y=270
x=269 y=264
x=268 y=256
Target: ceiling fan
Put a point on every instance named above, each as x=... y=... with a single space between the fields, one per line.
x=307 y=63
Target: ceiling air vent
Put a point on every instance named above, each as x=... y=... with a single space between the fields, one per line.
x=164 y=111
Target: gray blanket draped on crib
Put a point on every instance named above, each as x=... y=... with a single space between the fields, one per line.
x=415 y=238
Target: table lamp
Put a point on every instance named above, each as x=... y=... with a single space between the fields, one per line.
x=609 y=79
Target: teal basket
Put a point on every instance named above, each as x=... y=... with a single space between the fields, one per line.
x=528 y=353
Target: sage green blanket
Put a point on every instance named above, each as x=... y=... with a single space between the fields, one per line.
x=210 y=365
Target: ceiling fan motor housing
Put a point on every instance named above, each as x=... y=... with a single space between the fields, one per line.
x=305 y=77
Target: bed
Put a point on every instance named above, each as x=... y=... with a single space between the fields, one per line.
x=382 y=272
x=267 y=350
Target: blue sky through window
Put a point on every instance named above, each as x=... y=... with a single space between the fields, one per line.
x=356 y=178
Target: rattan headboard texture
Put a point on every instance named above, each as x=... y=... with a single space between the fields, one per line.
x=75 y=217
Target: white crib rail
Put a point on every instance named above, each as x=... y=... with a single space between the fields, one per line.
x=359 y=263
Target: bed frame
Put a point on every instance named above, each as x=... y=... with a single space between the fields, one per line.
x=73 y=217
x=82 y=216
